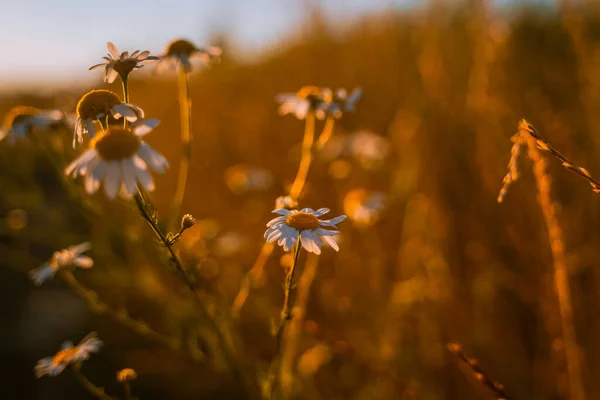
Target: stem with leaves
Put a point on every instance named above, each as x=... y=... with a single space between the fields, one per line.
x=92 y=389
x=166 y=240
x=286 y=315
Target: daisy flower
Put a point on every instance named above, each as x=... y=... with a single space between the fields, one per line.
x=122 y=64
x=120 y=158
x=285 y=202
x=71 y=257
x=22 y=120
x=363 y=207
x=307 y=99
x=67 y=355
x=305 y=225
x=100 y=104
x=182 y=51
x=342 y=102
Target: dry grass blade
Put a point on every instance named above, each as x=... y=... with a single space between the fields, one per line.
x=473 y=365
x=545 y=146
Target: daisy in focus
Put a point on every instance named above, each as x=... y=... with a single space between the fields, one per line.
x=122 y=64
x=68 y=355
x=182 y=51
x=22 y=120
x=71 y=257
x=119 y=158
x=98 y=105
x=308 y=99
x=303 y=225
x=342 y=102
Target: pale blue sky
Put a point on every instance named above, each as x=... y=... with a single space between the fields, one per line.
x=60 y=39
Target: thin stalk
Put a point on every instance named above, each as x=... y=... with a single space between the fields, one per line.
x=230 y=359
x=290 y=340
x=305 y=161
x=127 y=389
x=185 y=112
x=92 y=389
x=326 y=133
x=99 y=307
x=286 y=315
x=307 y=148
x=252 y=275
x=561 y=274
x=125 y=83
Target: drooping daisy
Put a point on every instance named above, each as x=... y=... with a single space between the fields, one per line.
x=304 y=224
x=285 y=202
x=122 y=64
x=120 y=158
x=71 y=257
x=308 y=98
x=342 y=102
x=364 y=207
x=20 y=121
x=182 y=51
x=67 y=355
x=98 y=105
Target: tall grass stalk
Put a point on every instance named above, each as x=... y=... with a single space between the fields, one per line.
x=536 y=144
x=185 y=113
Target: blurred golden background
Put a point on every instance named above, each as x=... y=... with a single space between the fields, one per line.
x=445 y=84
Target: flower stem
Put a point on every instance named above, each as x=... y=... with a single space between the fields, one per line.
x=185 y=109
x=307 y=148
x=127 y=390
x=125 y=83
x=307 y=145
x=286 y=315
x=326 y=133
x=94 y=390
x=232 y=362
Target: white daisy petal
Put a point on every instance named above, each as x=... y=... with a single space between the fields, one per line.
x=321 y=211
x=275 y=220
x=145 y=179
x=84 y=262
x=331 y=241
x=80 y=248
x=114 y=52
x=148 y=125
x=112 y=180
x=152 y=158
x=111 y=76
x=129 y=175
x=332 y=222
x=123 y=110
x=282 y=211
x=326 y=232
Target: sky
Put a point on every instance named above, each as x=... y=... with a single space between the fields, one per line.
x=58 y=40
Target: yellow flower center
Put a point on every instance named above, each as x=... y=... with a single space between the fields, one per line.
x=64 y=356
x=18 y=114
x=302 y=221
x=125 y=67
x=180 y=46
x=96 y=102
x=116 y=143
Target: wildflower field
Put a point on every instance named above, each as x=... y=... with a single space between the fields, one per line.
x=400 y=207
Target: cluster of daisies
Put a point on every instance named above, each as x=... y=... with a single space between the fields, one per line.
x=116 y=157
x=322 y=102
